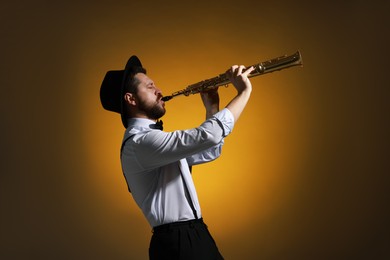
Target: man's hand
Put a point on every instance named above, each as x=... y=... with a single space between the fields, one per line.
x=210 y=100
x=240 y=79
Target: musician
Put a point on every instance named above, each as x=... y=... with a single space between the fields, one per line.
x=156 y=164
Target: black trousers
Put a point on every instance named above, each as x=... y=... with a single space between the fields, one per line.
x=187 y=240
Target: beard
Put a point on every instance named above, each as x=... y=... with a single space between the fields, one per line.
x=154 y=111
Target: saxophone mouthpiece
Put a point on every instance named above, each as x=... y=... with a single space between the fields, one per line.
x=166 y=98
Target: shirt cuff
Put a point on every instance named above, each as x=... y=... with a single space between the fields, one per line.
x=226 y=119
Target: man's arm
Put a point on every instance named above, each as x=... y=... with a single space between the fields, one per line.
x=163 y=148
x=210 y=100
x=243 y=86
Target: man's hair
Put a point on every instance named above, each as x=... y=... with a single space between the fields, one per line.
x=131 y=84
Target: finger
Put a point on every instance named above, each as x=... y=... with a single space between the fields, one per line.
x=240 y=69
x=248 y=71
x=210 y=90
x=231 y=71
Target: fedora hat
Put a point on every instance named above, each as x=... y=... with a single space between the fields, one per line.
x=112 y=90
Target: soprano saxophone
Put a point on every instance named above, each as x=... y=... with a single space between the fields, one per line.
x=261 y=68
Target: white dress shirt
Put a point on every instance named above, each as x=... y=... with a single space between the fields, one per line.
x=155 y=164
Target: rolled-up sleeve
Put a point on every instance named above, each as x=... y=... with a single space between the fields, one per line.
x=226 y=121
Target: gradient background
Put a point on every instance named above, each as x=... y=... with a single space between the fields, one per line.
x=304 y=175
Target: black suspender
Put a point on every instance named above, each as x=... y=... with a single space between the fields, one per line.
x=181 y=175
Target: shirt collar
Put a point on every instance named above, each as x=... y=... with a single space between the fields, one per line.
x=141 y=122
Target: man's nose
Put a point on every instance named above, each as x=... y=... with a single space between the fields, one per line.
x=158 y=91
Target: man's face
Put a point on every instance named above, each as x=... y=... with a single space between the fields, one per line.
x=148 y=98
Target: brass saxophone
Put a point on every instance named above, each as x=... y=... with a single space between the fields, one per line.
x=261 y=68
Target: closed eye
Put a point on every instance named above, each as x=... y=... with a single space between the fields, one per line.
x=151 y=85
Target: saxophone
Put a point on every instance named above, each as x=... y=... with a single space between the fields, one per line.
x=261 y=68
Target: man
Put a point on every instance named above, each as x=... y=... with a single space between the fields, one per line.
x=156 y=164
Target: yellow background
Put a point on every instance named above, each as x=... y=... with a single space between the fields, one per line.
x=304 y=175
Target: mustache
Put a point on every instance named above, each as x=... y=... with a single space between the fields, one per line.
x=160 y=97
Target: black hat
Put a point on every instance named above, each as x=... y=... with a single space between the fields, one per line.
x=112 y=90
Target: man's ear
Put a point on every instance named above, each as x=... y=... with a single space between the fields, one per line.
x=130 y=99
